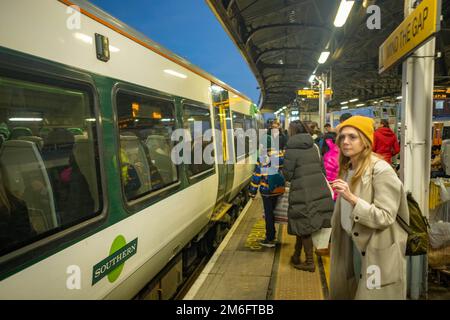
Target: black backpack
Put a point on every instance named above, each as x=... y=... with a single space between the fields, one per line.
x=417 y=229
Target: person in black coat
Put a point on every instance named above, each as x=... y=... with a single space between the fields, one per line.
x=310 y=198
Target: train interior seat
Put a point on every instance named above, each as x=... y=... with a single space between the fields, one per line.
x=38 y=141
x=28 y=180
x=135 y=153
x=160 y=153
x=20 y=132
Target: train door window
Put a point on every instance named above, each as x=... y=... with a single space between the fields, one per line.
x=49 y=175
x=197 y=120
x=145 y=129
x=251 y=140
x=240 y=144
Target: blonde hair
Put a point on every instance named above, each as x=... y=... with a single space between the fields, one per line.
x=364 y=160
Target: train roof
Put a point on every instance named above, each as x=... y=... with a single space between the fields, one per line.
x=122 y=28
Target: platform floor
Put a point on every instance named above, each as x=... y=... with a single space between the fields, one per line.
x=242 y=269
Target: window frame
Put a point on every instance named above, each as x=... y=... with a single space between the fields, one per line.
x=204 y=174
x=27 y=68
x=143 y=201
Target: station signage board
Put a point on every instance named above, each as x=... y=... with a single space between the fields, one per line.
x=417 y=28
x=313 y=94
x=441 y=94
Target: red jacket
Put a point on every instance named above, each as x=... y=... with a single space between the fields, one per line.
x=385 y=143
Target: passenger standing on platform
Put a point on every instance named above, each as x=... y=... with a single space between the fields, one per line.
x=330 y=153
x=269 y=162
x=310 y=202
x=278 y=137
x=367 y=244
x=385 y=142
x=345 y=116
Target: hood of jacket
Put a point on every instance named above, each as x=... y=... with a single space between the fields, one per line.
x=387 y=132
x=300 y=141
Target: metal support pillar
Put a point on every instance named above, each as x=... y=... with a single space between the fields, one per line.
x=417 y=109
x=322 y=105
x=286 y=119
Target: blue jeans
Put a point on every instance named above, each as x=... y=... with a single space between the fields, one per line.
x=269 y=206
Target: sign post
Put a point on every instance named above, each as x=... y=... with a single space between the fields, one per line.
x=413 y=42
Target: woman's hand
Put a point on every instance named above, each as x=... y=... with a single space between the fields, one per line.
x=343 y=189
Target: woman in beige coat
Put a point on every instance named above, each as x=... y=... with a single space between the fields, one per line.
x=367 y=244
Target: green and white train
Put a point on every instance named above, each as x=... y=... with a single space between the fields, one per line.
x=92 y=207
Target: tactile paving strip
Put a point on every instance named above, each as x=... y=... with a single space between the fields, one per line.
x=291 y=283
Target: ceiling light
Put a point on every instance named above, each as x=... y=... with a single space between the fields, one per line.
x=324 y=56
x=280 y=61
x=344 y=108
x=25 y=119
x=344 y=102
x=400 y=98
x=305 y=88
x=311 y=79
x=360 y=105
x=354 y=100
x=176 y=74
x=343 y=12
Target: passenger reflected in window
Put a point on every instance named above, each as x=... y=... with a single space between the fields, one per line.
x=15 y=226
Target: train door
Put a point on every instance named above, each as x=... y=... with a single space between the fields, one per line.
x=224 y=145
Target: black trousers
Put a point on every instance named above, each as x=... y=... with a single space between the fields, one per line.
x=269 y=206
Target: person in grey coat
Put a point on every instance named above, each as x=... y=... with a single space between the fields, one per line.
x=310 y=199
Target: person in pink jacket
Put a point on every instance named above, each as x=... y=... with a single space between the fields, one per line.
x=330 y=152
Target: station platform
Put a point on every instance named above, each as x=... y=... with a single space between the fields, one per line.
x=242 y=269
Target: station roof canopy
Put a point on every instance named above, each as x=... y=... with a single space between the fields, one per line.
x=282 y=41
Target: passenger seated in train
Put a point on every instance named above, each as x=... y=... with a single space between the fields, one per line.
x=71 y=190
x=139 y=174
x=77 y=200
x=15 y=226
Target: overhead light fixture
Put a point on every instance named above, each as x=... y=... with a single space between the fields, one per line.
x=400 y=98
x=176 y=74
x=311 y=79
x=344 y=102
x=360 y=105
x=305 y=88
x=280 y=61
x=344 y=108
x=25 y=119
x=324 y=57
x=354 y=100
x=343 y=12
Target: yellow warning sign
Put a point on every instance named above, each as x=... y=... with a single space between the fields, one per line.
x=313 y=94
x=418 y=27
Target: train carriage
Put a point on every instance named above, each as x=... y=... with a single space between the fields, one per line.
x=87 y=110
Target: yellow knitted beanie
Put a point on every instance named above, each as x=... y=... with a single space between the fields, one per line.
x=363 y=124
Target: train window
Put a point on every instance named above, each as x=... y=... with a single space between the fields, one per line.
x=197 y=120
x=240 y=141
x=250 y=124
x=49 y=174
x=145 y=128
